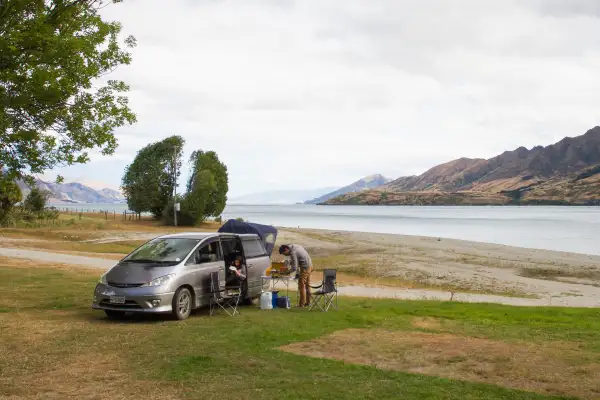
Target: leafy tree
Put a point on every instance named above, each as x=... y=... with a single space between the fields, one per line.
x=197 y=202
x=53 y=107
x=149 y=181
x=10 y=194
x=36 y=200
x=209 y=174
x=206 y=193
x=206 y=188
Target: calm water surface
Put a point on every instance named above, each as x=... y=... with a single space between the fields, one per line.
x=574 y=229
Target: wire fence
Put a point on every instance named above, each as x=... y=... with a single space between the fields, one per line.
x=108 y=214
x=125 y=215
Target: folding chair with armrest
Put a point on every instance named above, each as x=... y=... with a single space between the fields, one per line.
x=220 y=297
x=326 y=296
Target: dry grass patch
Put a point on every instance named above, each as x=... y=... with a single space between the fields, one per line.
x=349 y=279
x=108 y=256
x=58 y=247
x=27 y=329
x=58 y=233
x=73 y=246
x=85 y=376
x=548 y=369
x=94 y=225
x=32 y=264
x=591 y=274
x=426 y=323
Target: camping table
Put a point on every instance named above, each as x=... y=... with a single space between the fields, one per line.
x=273 y=280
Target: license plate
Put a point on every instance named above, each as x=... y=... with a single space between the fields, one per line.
x=117 y=299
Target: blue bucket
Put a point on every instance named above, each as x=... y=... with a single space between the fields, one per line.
x=275 y=296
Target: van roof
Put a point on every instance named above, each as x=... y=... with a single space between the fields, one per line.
x=204 y=235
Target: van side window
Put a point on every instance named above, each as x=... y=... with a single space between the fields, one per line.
x=210 y=252
x=232 y=248
x=254 y=248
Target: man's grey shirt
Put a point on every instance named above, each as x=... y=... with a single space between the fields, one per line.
x=299 y=257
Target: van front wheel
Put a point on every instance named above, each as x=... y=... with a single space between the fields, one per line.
x=182 y=303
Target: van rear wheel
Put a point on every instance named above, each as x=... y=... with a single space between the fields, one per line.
x=182 y=303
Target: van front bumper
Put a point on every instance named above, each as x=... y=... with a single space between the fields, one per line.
x=139 y=300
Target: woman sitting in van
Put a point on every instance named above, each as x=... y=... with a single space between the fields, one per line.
x=235 y=274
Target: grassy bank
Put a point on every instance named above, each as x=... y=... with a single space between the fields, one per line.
x=98 y=221
x=92 y=233
x=55 y=346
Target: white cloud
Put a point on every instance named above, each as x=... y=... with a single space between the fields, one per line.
x=319 y=93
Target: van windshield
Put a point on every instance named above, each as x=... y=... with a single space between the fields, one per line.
x=168 y=251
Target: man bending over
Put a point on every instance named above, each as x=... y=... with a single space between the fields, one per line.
x=300 y=261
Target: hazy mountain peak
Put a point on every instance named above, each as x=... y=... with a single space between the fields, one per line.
x=279 y=196
x=75 y=192
x=374 y=177
x=368 y=182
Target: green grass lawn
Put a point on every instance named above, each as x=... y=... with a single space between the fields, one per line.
x=52 y=345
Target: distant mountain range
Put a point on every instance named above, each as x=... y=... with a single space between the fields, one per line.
x=368 y=182
x=75 y=193
x=280 y=196
x=567 y=172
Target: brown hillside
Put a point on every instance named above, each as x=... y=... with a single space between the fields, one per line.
x=567 y=172
x=513 y=168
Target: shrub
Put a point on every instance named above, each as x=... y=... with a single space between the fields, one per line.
x=10 y=194
x=36 y=200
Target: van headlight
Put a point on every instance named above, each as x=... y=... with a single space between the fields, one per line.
x=162 y=280
x=102 y=279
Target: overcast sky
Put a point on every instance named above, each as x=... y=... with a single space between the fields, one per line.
x=305 y=94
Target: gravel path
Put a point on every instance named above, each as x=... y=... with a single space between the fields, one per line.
x=359 y=291
x=423 y=294
x=59 y=258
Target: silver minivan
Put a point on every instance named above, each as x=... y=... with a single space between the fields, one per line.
x=171 y=273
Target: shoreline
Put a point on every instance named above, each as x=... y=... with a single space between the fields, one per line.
x=463 y=241
x=439 y=238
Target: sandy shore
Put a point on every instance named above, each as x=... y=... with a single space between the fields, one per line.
x=397 y=266
x=549 y=277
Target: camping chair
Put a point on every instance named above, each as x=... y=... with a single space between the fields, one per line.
x=219 y=297
x=326 y=296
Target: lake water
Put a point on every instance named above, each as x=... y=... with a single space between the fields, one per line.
x=574 y=229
